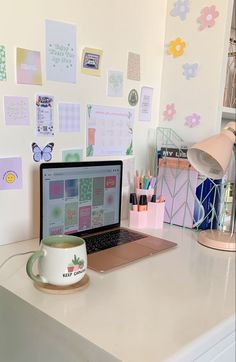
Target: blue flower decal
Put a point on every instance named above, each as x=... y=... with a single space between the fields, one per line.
x=190 y=70
x=181 y=8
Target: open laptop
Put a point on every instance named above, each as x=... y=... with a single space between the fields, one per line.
x=84 y=199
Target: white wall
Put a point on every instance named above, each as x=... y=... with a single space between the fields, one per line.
x=114 y=26
x=204 y=93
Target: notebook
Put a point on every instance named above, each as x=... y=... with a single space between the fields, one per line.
x=84 y=199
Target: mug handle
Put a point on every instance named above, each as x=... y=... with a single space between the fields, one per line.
x=29 y=266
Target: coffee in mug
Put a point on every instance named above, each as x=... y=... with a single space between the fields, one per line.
x=62 y=260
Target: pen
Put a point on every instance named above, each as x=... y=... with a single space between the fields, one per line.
x=146 y=183
x=141 y=182
x=152 y=183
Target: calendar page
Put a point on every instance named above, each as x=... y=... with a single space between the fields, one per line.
x=109 y=130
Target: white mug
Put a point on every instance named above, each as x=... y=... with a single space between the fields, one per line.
x=62 y=260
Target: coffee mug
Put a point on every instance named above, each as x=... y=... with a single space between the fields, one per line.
x=62 y=260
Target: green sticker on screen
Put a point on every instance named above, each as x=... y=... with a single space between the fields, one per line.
x=133 y=97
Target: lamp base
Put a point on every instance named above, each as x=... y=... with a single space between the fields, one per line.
x=218 y=240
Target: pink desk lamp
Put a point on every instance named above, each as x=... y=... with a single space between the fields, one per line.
x=211 y=158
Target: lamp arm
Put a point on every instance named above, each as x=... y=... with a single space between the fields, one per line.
x=233 y=211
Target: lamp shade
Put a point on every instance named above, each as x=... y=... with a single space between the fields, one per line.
x=211 y=157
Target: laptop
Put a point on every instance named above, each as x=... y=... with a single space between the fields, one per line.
x=84 y=199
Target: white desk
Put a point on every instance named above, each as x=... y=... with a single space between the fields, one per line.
x=178 y=305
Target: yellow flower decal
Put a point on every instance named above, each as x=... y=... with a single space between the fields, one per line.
x=176 y=47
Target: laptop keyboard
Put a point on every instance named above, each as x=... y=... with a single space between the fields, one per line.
x=110 y=239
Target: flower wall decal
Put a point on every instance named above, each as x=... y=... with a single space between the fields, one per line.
x=169 y=112
x=192 y=120
x=208 y=16
x=190 y=70
x=181 y=8
x=176 y=47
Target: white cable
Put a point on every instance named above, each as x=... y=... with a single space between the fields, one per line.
x=12 y=256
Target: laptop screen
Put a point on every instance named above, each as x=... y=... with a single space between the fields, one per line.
x=79 y=197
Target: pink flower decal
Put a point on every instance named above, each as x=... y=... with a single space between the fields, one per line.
x=208 y=16
x=192 y=120
x=169 y=112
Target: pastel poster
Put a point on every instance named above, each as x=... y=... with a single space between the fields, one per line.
x=10 y=173
x=60 y=51
x=3 y=75
x=28 y=67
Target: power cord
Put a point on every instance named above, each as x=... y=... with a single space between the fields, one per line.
x=12 y=256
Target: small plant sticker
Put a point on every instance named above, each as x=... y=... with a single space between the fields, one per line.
x=133 y=97
x=76 y=264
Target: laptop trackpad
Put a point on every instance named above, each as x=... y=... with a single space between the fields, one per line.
x=104 y=260
x=120 y=255
x=131 y=251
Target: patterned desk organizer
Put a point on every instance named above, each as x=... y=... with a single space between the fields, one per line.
x=152 y=218
x=191 y=199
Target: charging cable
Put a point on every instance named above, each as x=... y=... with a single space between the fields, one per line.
x=12 y=256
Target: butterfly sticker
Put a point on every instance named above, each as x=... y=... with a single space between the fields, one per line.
x=45 y=154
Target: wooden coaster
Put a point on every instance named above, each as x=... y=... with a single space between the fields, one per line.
x=66 y=289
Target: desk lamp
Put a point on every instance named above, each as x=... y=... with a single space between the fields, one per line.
x=211 y=157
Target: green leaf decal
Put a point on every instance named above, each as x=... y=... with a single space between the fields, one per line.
x=129 y=150
x=89 y=150
x=89 y=108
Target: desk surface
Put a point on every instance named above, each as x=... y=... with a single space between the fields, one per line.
x=150 y=310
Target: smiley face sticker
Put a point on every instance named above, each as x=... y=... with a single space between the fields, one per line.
x=10 y=173
x=10 y=177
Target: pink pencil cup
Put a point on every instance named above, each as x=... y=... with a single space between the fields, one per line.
x=147 y=192
x=156 y=212
x=138 y=219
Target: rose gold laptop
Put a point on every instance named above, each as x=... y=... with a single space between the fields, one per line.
x=84 y=199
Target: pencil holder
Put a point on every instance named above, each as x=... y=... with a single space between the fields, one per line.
x=152 y=218
x=148 y=192
x=138 y=219
x=155 y=217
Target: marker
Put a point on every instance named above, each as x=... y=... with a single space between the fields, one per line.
x=133 y=200
x=142 y=203
x=161 y=199
x=154 y=198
